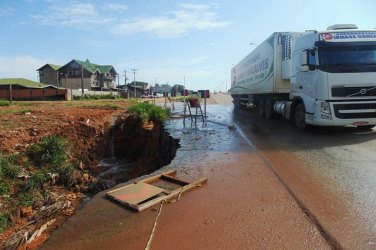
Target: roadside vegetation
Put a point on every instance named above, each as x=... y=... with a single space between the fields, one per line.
x=147 y=112
x=4 y=102
x=26 y=178
x=96 y=97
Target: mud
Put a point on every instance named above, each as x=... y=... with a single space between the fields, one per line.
x=243 y=205
x=135 y=149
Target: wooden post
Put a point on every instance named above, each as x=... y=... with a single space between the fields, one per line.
x=10 y=93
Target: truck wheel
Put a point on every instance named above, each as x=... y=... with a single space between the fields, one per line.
x=269 y=110
x=299 y=116
x=261 y=107
x=236 y=101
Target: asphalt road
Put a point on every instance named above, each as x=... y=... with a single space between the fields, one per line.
x=330 y=171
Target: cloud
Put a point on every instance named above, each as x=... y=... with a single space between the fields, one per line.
x=21 y=66
x=6 y=11
x=71 y=14
x=119 y=8
x=177 y=23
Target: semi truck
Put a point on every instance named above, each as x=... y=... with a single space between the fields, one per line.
x=324 y=78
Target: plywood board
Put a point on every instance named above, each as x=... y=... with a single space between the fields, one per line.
x=144 y=194
x=135 y=193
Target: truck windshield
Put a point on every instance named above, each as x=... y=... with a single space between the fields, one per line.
x=347 y=59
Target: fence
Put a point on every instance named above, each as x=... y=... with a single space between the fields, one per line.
x=33 y=94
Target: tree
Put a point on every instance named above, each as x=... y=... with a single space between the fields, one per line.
x=178 y=87
x=144 y=85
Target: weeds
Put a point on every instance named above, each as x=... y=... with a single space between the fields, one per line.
x=37 y=180
x=4 y=187
x=66 y=174
x=27 y=199
x=51 y=150
x=148 y=112
x=8 y=167
x=4 y=220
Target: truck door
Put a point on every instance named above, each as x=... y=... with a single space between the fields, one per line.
x=307 y=79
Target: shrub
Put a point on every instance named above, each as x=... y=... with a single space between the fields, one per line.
x=96 y=97
x=146 y=111
x=51 y=150
x=4 y=220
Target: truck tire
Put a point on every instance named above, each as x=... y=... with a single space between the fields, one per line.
x=269 y=109
x=236 y=101
x=299 y=116
x=261 y=107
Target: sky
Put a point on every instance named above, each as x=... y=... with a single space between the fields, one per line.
x=176 y=42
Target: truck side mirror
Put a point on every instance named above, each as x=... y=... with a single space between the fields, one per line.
x=303 y=58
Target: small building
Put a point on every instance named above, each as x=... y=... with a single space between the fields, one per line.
x=80 y=74
x=24 y=89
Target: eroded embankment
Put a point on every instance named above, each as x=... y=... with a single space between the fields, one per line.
x=130 y=149
x=134 y=149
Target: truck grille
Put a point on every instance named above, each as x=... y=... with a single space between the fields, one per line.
x=354 y=91
x=356 y=107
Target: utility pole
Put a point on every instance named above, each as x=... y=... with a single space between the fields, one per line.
x=134 y=81
x=125 y=83
x=125 y=78
x=82 y=81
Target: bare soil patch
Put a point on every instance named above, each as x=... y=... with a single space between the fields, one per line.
x=90 y=128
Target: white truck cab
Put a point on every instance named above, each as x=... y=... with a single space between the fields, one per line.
x=334 y=75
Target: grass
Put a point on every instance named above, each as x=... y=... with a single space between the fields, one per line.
x=4 y=102
x=4 y=220
x=52 y=150
x=37 y=180
x=29 y=198
x=66 y=174
x=8 y=166
x=148 y=112
x=4 y=187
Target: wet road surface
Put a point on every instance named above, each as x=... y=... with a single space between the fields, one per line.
x=270 y=187
x=331 y=171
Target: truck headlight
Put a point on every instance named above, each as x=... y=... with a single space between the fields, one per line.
x=325 y=108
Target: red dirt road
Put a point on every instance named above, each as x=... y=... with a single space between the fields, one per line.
x=243 y=206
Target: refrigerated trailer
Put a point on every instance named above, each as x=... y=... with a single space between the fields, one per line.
x=325 y=78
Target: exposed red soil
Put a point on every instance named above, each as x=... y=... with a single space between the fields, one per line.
x=83 y=124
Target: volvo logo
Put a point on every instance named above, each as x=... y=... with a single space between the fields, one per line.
x=363 y=91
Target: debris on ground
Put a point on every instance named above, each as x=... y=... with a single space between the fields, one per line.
x=153 y=190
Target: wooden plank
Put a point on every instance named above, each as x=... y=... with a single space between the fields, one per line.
x=154 y=178
x=174 y=180
x=173 y=194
